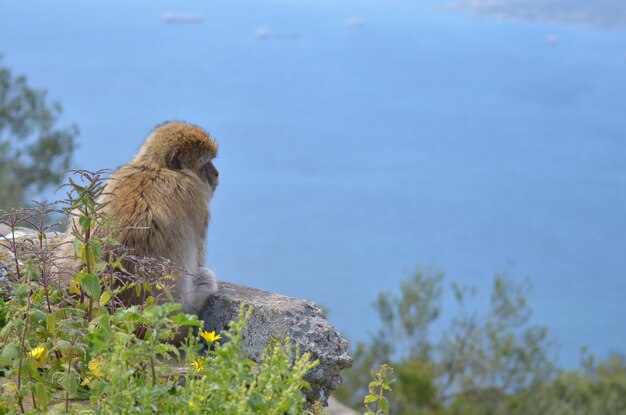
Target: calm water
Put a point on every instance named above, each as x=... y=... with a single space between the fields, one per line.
x=350 y=155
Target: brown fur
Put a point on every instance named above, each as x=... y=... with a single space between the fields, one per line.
x=159 y=201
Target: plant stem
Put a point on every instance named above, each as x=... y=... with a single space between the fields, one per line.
x=15 y=256
x=69 y=371
x=23 y=339
x=153 y=372
x=32 y=394
x=88 y=264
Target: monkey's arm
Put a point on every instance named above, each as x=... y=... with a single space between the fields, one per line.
x=201 y=254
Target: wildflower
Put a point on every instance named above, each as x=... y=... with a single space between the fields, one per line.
x=210 y=336
x=95 y=366
x=37 y=352
x=198 y=364
x=195 y=401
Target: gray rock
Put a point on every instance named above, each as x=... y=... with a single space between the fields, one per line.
x=5 y=231
x=275 y=315
x=337 y=408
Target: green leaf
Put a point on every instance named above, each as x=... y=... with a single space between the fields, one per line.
x=70 y=383
x=77 y=248
x=186 y=320
x=384 y=404
x=10 y=352
x=105 y=297
x=105 y=324
x=43 y=395
x=21 y=291
x=90 y=203
x=23 y=392
x=96 y=249
x=51 y=324
x=37 y=316
x=85 y=223
x=91 y=285
x=370 y=399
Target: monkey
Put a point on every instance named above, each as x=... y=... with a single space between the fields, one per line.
x=159 y=202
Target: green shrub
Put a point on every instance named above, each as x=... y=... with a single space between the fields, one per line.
x=81 y=349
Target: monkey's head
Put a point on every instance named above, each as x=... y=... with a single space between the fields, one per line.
x=181 y=146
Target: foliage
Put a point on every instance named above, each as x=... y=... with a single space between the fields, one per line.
x=487 y=355
x=375 y=401
x=34 y=153
x=85 y=349
x=595 y=389
x=490 y=363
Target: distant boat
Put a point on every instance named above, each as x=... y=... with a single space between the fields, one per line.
x=553 y=39
x=172 y=17
x=265 y=33
x=355 y=21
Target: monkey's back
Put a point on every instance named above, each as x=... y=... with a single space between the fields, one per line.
x=160 y=212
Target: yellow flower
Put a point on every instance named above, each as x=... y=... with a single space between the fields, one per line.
x=198 y=364
x=210 y=336
x=195 y=401
x=95 y=366
x=37 y=352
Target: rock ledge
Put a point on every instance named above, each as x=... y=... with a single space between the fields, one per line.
x=279 y=316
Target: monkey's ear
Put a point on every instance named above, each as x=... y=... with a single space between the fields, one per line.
x=174 y=159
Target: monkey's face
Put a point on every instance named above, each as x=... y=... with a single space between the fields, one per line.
x=210 y=173
x=179 y=146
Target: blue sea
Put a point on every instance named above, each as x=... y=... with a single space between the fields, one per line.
x=362 y=139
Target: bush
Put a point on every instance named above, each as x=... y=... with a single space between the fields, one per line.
x=492 y=362
x=82 y=349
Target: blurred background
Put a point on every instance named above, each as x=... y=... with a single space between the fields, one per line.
x=364 y=144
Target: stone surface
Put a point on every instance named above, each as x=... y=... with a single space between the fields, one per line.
x=278 y=316
x=5 y=231
x=337 y=408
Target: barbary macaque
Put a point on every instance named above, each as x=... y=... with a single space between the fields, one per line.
x=160 y=203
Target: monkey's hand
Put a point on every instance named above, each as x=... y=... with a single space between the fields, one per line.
x=203 y=284
x=206 y=281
